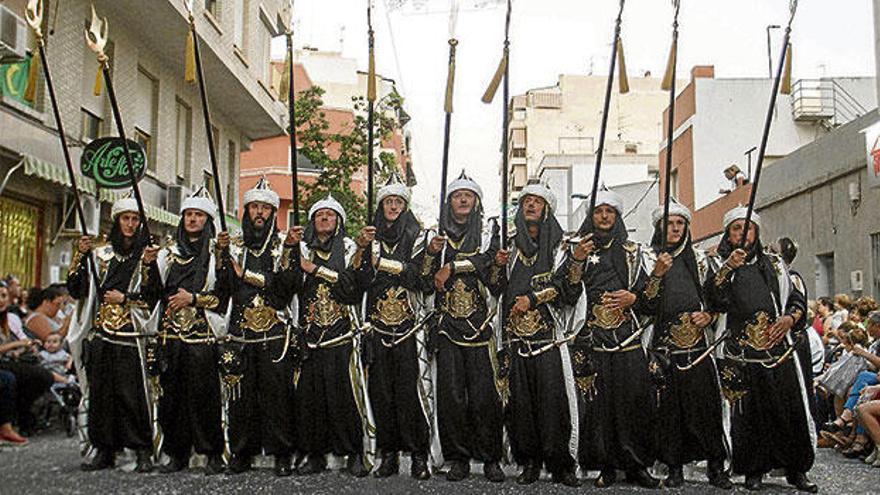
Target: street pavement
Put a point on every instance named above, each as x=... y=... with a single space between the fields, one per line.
x=50 y=464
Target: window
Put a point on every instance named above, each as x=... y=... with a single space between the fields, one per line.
x=239 y=23
x=91 y=126
x=231 y=196
x=213 y=6
x=673 y=184
x=264 y=54
x=825 y=275
x=519 y=152
x=208 y=181
x=145 y=117
x=182 y=139
x=631 y=149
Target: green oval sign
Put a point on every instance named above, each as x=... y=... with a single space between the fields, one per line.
x=104 y=160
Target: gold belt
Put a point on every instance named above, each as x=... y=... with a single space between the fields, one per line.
x=259 y=319
x=757 y=334
x=460 y=302
x=183 y=320
x=607 y=318
x=324 y=311
x=392 y=310
x=112 y=317
x=526 y=324
x=685 y=334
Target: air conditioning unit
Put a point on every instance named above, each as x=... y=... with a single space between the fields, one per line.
x=174 y=197
x=13 y=36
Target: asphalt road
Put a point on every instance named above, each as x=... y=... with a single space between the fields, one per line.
x=50 y=464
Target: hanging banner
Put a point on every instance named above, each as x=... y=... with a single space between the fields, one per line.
x=872 y=147
x=104 y=160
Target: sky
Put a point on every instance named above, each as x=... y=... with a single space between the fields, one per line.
x=553 y=37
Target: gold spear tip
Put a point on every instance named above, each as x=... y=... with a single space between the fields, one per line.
x=96 y=35
x=34 y=15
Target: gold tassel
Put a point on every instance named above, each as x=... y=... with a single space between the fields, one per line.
x=371 y=73
x=284 y=82
x=622 y=81
x=666 y=85
x=450 y=76
x=189 y=70
x=97 y=90
x=30 y=93
x=489 y=95
x=785 y=84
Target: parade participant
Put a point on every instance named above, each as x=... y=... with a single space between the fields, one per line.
x=118 y=412
x=770 y=419
x=463 y=269
x=332 y=411
x=609 y=361
x=689 y=417
x=184 y=276
x=542 y=408
x=398 y=379
x=263 y=274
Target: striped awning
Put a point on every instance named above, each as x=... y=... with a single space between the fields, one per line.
x=58 y=175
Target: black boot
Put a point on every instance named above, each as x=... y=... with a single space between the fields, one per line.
x=606 y=478
x=801 y=482
x=642 y=478
x=718 y=477
x=458 y=471
x=215 y=465
x=313 y=465
x=754 y=482
x=419 y=468
x=676 y=476
x=530 y=474
x=567 y=478
x=355 y=466
x=239 y=464
x=282 y=465
x=144 y=461
x=389 y=466
x=103 y=460
x=174 y=465
x=492 y=471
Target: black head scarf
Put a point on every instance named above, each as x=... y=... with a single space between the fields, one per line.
x=753 y=252
x=253 y=238
x=117 y=240
x=192 y=276
x=470 y=233
x=683 y=249
x=614 y=239
x=335 y=244
x=549 y=235
x=403 y=230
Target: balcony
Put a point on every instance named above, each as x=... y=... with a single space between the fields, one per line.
x=824 y=101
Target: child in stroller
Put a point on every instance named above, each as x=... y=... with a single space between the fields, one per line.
x=65 y=391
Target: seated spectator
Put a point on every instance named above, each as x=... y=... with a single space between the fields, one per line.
x=18 y=356
x=842 y=306
x=54 y=358
x=824 y=309
x=17 y=296
x=863 y=307
x=8 y=435
x=837 y=379
x=44 y=305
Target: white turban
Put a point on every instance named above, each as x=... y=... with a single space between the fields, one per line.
x=262 y=193
x=328 y=203
x=123 y=205
x=739 y=213
x=541 y=191
x=610 y=198
x=675 y=209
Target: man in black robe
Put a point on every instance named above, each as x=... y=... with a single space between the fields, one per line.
x=118 y=413
x=189 y=405
x=689 y=415
x=263 y=274
x=610 y=364
x=331 y=406
x=770 y=419
x=542 y=409
x=464 y=270
x=396 y=349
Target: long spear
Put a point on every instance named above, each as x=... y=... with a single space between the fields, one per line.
x=503 y=74
x=784 y=63
x=34 y=15
x=371 y=100
x=96 y=39
x=206 y=114
x=286 y=90
x=616 y=52
x=447 y=107
x=669 y=84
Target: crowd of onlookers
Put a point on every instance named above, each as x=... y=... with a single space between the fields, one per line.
x=845 y=344
x=34 y=362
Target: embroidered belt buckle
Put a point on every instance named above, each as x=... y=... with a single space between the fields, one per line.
x=526 y=324
x=607 y=318
x=259 y=319
x=184 y=319
x=685 y=334
x=324 y=311
x=392 y=310
x=460 y=302
x=112 y=316
x=757 y=333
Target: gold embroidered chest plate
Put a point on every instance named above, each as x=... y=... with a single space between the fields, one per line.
x=324 y=311
x=527 y=324
x=112 y=317
x=393 y=308
x=757 y=333
x=607 y=318
x=184 y=319
x=460 y=301
x=258 y=317
x=685 y=334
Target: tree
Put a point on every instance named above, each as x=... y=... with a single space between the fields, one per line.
x=340 y=155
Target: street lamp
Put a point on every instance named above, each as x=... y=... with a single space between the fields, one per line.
x=769 y=56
